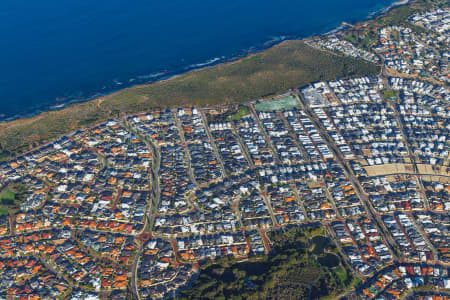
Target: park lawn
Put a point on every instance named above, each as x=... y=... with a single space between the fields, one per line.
x=7 y=202
x=243 y=111
x=388 y=94
x=7 y=195
x=10 y=198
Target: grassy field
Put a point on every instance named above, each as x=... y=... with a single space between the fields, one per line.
x=7 y=195
x=388 y=94
x=7 y=201
x=242 y=111
x=289 y=65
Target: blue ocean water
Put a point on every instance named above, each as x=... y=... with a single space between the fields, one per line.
x=54 y=51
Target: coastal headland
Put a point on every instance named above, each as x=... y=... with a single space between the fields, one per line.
x=288 y=65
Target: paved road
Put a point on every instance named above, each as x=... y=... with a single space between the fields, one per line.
x=134 y=276
x=265 y=135
x=243 y=147
x=269 y=207
x=58 y=275
x=332 y=234
x=405 y=141
x=424 y=236
x=213 y=144
x=186 y=150
x=154 y=205
x=358 y=188
x=295 y=139
x=300 y=202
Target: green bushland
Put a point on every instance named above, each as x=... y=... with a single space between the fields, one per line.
x=290 y=271
x=4 y=155
x=329 y=260
x=320 y=243
x=289 y=65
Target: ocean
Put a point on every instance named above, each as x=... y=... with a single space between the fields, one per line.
x=56 y=52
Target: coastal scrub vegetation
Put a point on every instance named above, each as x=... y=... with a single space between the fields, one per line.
x=302 y=263
x=289 y=65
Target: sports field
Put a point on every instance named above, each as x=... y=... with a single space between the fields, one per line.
x=278 y=104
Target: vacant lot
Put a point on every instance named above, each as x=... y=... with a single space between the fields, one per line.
x=381 y=170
